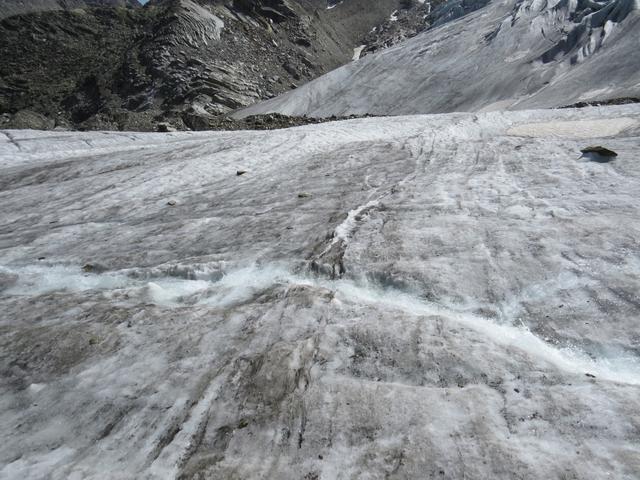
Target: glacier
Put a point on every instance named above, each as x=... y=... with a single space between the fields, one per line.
x=428 y=296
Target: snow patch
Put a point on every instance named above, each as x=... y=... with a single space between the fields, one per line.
x=574 y=128
x=357 y=52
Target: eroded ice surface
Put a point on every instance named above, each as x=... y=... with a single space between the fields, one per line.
x=449 y=296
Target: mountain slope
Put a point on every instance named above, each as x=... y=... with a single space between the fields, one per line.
x=19 y=7
x=513 y=54
x=177 y=61
x=448 y=296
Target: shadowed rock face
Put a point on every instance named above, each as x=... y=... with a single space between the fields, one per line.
x=517 y=54
x=178 y=61
x=450 y=296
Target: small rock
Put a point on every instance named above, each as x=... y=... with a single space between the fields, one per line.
x=93 y=268
x=240 y=172
x=600 y=150
x=598 y=154
x=304 y=195
x=590 y=375
x=171 y=203
x=166 y=127
x=243 y=424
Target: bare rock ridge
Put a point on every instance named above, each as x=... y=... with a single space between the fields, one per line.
x=182 y=62
x=516 y=54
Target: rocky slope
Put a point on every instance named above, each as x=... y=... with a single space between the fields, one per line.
x=178 y=61
x=18 y=7
x=415 y=16
x=448 y=296
x=515 y=54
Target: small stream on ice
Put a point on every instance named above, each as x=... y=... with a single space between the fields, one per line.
x=213 y=286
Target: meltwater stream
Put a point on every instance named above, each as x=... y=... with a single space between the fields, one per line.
x=212 y=286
